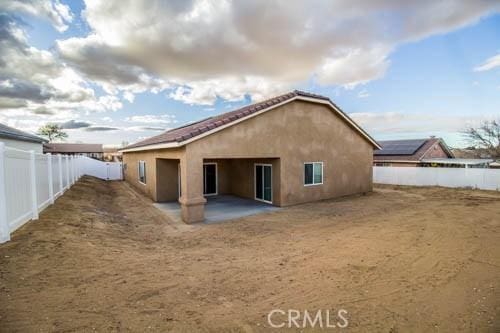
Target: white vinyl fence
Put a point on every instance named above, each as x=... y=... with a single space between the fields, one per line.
x=29 y=182
x=103 y=170
x=484 y=179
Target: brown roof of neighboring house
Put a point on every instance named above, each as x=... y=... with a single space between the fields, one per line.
x=110 y=149
x=422 y=146
x=189 y=131
x=72 y=148
x=14 y=133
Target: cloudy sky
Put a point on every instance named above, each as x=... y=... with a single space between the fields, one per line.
x=120 y=70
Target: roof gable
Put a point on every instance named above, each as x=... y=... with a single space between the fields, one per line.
x=183 y=135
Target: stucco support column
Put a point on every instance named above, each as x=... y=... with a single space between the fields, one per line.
x=192 y=200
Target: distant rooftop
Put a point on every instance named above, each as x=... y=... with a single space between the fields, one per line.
x=407 y=150
x=400 y=147
x=72 y=148
x=14 y=133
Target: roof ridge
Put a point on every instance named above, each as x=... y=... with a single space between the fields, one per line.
x=308 y=94
x=188 y=131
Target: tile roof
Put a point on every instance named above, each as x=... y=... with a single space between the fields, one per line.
x=417 y=155
x=192 y=130
x=72 y=148
x=14 y=133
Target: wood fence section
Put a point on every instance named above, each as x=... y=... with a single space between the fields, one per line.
x=29 y=182
x=484 y=179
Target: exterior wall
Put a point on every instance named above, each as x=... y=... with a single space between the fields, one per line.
x=295 y=133
x=436 y=151
x=167 y=180
x=23 y=145
x=131 y=166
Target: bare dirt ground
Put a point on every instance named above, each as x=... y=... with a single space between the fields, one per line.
x=398 y=259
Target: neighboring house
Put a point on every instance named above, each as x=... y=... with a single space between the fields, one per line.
x=81 y=149
x=415 y=152
x=287 y=150
x=112 y=154
x=18 y=139
x=495 y=165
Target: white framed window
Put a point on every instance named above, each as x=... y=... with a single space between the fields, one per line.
x=313 y=173
x=142 y=172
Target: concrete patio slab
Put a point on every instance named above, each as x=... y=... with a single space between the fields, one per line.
x=220 y=208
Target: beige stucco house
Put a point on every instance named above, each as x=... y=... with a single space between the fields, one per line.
x=287 y=150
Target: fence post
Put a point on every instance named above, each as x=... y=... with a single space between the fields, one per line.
x=67 y=169
x=51 y=181
x=73 y=159
x=4 y=224
x=34 y=204
x=61 y=185
x=77 y=166
x=73 y=175
x=71 y=169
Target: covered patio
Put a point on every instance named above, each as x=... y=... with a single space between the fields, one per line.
x=228 y=187
x=219 y=208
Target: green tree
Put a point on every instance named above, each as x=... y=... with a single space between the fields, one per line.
x=52 y=132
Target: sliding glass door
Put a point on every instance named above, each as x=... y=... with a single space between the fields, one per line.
x=263 y=183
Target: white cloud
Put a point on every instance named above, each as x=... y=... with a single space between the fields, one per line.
x=401 y=124
x=146 y=129
x=232 y=89
x=38 y=83
x=57 y=13
x=489 y=64
x=152 y=119
x=202 y=50
x=353 y=67
x=363 y=94
x=129 y=96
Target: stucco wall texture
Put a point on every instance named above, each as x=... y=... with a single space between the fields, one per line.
x=286 y=137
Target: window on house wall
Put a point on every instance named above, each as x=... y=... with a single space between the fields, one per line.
x=313 y=173
x=142 y=172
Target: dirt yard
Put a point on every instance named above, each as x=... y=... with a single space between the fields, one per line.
x=397 y=260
